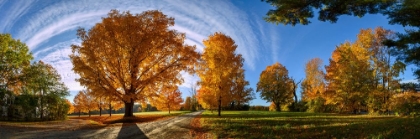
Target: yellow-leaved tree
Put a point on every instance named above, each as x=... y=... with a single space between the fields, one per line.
x=362 y=75
x=125 y=56
x=169 y=99
x=219 y=69
x=85 y=102
x=349 y=76
x=206 y=99
x=71 y=107
x=275 y=85
x=314 y=83
x=313 y=86
x=79 y=103
x=113 y=104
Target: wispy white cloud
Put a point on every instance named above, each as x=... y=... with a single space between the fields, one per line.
x=189 y=80
x=57 y=55
x=198 y=19
x=274 y=43
x=205 y=17
x=193 y=38
x=16 y=10
x=66 y=23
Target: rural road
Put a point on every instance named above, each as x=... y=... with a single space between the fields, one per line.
x=175 y=127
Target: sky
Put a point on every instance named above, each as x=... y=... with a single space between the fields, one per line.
x=48 y=27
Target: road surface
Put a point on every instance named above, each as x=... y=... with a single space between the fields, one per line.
x=177 y=127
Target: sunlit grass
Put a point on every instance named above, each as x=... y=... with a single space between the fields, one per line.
x=263 y=124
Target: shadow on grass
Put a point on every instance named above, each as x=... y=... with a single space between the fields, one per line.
x=309 y=125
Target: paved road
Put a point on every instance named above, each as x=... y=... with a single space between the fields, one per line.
x=176 y=127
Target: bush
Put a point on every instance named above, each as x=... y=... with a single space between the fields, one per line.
x=298 y=107
x=316 y=105
x=406 y=103
x=258 y=108
x=283 y=107
x=28 y=105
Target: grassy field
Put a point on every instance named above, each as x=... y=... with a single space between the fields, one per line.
x=264 y=124
x=139 y=117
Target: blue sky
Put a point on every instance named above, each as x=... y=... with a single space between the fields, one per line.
x=49 y=27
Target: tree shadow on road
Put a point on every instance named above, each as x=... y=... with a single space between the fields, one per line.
x=131 y=130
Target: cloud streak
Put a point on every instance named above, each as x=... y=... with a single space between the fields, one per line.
x=16 y=11
x=50 y=31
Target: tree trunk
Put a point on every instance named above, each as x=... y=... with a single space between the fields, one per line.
x=100 y=111
x=110 y=109
x=278 y=109
x=238 y=106
x=169 y=108
x=42 y=105
x=89 y=113
x=129 y=108
x=220 y=105
x=79 y=113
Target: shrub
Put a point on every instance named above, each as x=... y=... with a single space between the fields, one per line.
x=298 y=107
x=316 y=105
x=406 y=103
x=258 y=108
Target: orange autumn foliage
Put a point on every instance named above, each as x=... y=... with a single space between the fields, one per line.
x=221 y=74
x=313 y=86
x=275 y=85
x=169 y=99
x=127 y=55
x=71 y=107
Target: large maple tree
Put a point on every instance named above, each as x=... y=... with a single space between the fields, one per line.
x=126 y=56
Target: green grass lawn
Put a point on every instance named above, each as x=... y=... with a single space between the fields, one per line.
x=264 y=124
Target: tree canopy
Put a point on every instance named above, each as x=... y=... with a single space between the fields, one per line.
x=298 y=12
x=314 y=83
x=275 y=85
x=14 y=57
x=221 y=73
x=362 y=74
x=126 y=56
x=169 y=99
